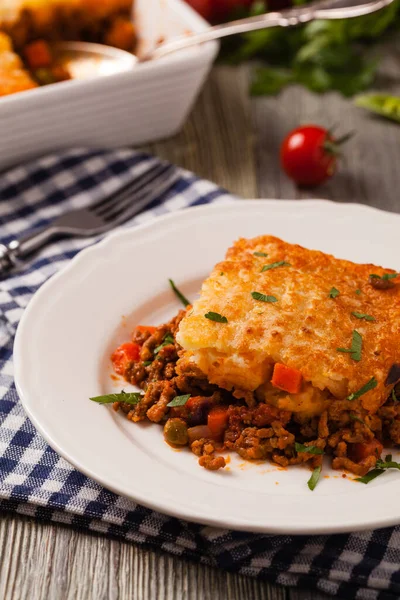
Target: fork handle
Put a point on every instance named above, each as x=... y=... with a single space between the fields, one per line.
x=12 y=253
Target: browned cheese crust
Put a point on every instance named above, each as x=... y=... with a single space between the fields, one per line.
x=303 y=329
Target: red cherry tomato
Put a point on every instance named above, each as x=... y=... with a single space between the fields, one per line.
x=217 y=10
x=309 y=155
x=203 y=7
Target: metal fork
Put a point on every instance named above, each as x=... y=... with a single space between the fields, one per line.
x=95 y=219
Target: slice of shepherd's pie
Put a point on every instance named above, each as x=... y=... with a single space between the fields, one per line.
x=295 y=328
x=289 y=355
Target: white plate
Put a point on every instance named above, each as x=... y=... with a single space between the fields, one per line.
x=72 y=324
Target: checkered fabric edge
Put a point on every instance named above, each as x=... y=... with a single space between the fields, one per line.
x=36 y=482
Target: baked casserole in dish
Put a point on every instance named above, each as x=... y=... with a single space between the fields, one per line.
x=27 y=29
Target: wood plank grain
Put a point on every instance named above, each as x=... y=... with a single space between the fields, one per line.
x=368 y=172
x=53 y=562
x=217 y=142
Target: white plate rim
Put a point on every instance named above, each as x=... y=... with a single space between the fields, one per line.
x=229 y=522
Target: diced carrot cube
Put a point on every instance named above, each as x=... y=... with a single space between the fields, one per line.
x=362 y=450
x=38 y=54
x=218 y=421
x=145 y=328
x=287 y=379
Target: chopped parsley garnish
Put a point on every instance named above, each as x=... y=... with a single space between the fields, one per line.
x=370 y=476
x=127 y=397
x=394 y=397
x=263 y=297
x=179 y=401
x=260 y=254
x=363 y=316
x=358 y=292
x=213 y=316
x=356 y=347
x=381 y=467
x=312 y=482
x=147 y=363
x=179 y=294
x=308 y=449
x=388 y=463
x=372 y=383
x=275 y=265
x=385 y=276
x=334 y=293
x=167 y=341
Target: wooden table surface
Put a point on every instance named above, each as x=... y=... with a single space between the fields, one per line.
x=234 y=141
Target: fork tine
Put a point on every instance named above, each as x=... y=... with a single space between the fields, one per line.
x=127 y=196
x=132 y=187
x=147 y=197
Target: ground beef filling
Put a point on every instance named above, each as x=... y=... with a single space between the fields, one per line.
x=213 y=420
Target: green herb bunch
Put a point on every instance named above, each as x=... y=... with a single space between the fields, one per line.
x=321 y=55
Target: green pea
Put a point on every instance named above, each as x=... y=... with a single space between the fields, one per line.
x=175 y=432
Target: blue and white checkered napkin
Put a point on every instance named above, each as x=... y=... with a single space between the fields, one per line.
x=35 y=481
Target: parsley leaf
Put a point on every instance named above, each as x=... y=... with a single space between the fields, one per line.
x=179 y=401
x=308 y=449
x=261 y=254
x=179 y=294
x=370 y=476
x=363 y=316
x=356 y=347
x=167 y=341
x=312 y=482
x=263 y=297
x=358 y=292
x=388 y=463
x=381 y=467
x=372 y=383
x=147 y=363
x=129 y=398
x=385 y=276
x=394 y=397
x=275 y=265
x=213 y=316
x=334 y=293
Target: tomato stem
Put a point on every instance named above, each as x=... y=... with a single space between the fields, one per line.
x=332 y=146
x=345 y=138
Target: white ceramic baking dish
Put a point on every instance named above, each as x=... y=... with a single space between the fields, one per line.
x=147 y=103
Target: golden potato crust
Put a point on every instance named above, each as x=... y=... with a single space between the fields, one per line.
x=303 y=329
